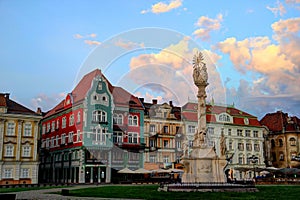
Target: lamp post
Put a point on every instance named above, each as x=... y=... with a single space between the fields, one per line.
x=254 y=160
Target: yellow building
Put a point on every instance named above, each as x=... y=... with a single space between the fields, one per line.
x=18 y=143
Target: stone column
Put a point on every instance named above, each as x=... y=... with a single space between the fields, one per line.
x=19 y=136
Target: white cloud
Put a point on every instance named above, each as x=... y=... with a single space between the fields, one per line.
x=46 y=102
x=128 y=44
x=92 y=42
x=162 y=7
x=206 y=26
x=277 y=9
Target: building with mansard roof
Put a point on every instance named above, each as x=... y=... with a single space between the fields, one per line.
x=244 y=136
x=283 y=139
x=18 y=142
x=92 y=133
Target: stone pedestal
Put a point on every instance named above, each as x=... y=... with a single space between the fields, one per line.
x=203 y=165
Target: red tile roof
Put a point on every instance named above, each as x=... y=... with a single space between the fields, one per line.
x=189 y=112
x=120 y=96
x=278 y=121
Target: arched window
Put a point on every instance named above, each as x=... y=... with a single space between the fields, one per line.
x=132 y=120
x=272 y=143
x=241 y=159
x=99 y=116
x=292 y=141
x=224 y=118
x=280 y=142
x=118 y=119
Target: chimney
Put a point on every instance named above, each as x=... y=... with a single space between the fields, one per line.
x=39 y=111
x=142 y=100
x=171 y=103
x=154 y=101
x=6 y=95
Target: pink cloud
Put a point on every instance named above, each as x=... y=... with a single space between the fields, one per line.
x=207 y=25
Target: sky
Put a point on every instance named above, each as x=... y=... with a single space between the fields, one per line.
x=251 y=49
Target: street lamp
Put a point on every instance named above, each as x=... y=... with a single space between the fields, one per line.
x=254 y=160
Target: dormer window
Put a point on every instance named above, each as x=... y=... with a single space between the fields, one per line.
x=224 y=118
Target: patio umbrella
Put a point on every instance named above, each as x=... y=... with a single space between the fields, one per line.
x=125 y=171
x=265 y=172
x=177 y=170
x=142 y=171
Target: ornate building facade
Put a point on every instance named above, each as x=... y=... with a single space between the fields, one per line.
x=95 y=131
x=242 y=134
x=18 y=143
x=283 y=139
x=163 y=135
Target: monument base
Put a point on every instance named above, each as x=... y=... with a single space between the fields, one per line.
x=203 y=165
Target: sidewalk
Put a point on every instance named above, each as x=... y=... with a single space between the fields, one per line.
x=43 y=194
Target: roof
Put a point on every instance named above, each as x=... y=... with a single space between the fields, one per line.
x=14 y=107
x=150 y=108
x=279 y=120
x=120 y=96
x=189 y=112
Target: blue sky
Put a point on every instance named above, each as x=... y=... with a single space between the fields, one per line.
x=252 y=47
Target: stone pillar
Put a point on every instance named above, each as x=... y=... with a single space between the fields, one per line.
x=19 y=136
x=99 y=175
x=92 y=175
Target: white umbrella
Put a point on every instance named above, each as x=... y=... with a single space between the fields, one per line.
x=125 y=171
x=177 y=170
x=142 y=171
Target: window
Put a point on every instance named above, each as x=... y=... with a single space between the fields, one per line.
x=255 y=133
x=281 y=157
x=79 y=139
x=44 y=129
x=241 y=146
x=247 y=132
x=118 y=119
x=24 y=173
x=56 y=142
x=71 y=134
x=78 y=117
x=224 y=118
x=52 y=126
x=274 y=157
x=9 y=151
x=63 y=138
x=57 y=124
x=166 y=129
x=52 y=142
x=211 y=130
x=117 y=137
x=48 y=128
x=272 y=143
x=152 y=128
x=132 y=120
x=166 y=159
x=256 y=147
x=178 y=144
x=64 y=122
x=229 y=131
x=280 y=143
x=47 y=142
x=151 y=143
x=133 y=138
x=292 y=141
x=26 y=151
x=10 y=128
x=249 y=147
x=8 y=173
x=166 y=143
x=152 y=158
x=230 y=145
x=240 y=159
x=71 y=120
x=239 y=132
x=98 y=135
x=191 y=129
x=27 y=129
x=99 y=116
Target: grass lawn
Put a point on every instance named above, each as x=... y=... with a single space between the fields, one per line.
x=150 y=192
x=20 y=189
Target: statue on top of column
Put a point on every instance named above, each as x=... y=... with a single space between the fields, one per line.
x=200 y=71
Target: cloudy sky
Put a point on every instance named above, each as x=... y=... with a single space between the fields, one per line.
x=251 y=48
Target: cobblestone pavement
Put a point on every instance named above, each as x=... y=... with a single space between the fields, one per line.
x=44 y=194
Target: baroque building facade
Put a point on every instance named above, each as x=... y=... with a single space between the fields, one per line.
x=163 y=135
x=18 y=142
x=283 y=139
x=95 y=131
x=242 y=134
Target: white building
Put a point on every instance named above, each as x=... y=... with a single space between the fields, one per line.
x=242 y=131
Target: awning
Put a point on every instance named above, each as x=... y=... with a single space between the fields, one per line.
x=142 y=171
